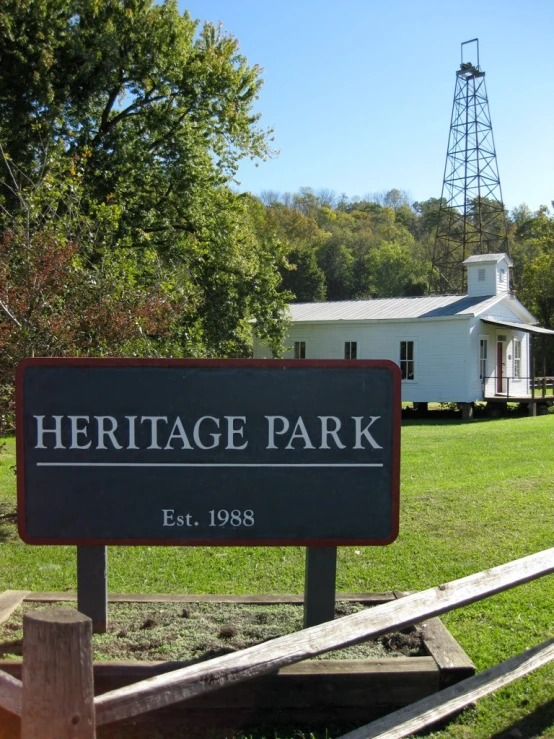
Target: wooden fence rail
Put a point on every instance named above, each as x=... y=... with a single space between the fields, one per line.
x=439 y=706
x=163 y=690
x=194 y=680
x=10 y=693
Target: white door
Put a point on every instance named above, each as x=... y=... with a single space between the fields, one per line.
x=501 y=342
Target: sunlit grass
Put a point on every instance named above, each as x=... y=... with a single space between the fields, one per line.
x=473 y=495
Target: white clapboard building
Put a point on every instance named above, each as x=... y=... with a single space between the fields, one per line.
x=450 y=348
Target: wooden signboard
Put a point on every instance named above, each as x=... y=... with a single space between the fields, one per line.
x=208 y=452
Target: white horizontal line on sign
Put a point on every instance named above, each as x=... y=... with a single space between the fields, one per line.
x=190 y=464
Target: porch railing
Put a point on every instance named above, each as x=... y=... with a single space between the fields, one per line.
x=535 y=387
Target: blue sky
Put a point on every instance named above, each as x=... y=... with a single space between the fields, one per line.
x=359 y=93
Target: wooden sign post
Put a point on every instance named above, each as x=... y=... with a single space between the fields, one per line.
x=92 y=585
x=319 y=585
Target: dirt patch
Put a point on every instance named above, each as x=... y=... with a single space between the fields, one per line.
x=199 y=631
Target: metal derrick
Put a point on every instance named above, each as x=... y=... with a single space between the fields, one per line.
x=471 y=216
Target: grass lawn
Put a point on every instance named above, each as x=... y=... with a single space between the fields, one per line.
x=473 y=495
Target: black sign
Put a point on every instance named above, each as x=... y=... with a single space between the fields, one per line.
x=189 y=452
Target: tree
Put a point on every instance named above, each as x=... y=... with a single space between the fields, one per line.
x=533 y=237
x=54 y=301
x=293 y=228
x=152 y=114
x=303 y=277
x=393 y=272
x=534 y=249
x=394 y=198
x=538 y=290
x=428 y=213
x=336 y=262
x=94 y=74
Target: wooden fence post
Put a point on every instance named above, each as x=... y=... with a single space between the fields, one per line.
x=58 y=683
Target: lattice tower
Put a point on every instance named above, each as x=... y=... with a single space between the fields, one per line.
x=471 y=218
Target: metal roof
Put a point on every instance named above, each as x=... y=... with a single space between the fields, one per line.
x=436 y=306
x=520 y=326
x=481 y=258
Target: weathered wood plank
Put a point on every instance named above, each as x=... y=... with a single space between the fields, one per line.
x=270 y=656
x=58 y=685
x=130 y=669
x=263 y=600
x=428 y=711
x=9 y=601
x=10 y=693
x=10 y=687
x=453 y=662
x=133 y=670
x=331 y=687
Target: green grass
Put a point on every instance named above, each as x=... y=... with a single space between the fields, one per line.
x=473 y=495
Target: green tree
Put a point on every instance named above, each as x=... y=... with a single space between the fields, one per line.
x=303 y=277
x=428 y=217
x=533 y=253
x=533 y=236
x=293 y=228
x=394 y=272
x=152 y=114
x=538 y=288
x=336 y=262
x=299 y=237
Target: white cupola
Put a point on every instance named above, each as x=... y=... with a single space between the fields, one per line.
x=488 y=274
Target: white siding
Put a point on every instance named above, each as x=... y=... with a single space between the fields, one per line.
x=441 y=352
x=476 y=287
x=259 y=350
x=502 y=278
x=447 y=350
x=496 y=278
x=502 y=311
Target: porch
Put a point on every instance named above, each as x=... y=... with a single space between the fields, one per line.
x=536 y=389
x=541 y=389
x=541 y=395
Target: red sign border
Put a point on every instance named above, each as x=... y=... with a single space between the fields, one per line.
x=293 y=364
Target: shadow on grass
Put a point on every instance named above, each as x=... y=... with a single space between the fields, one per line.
x=171 y=725
x=450 y=418
x=8 y=531
x=453 y=416
x=10 y=648
x=532 y=725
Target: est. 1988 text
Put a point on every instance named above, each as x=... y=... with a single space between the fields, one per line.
x=222 y=517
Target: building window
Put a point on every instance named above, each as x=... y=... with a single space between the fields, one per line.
x=483 y=351
x=517 y=358
x=502 y=276
x=407 y=360
x=300 y=350
x=351 y=350
x=481 y=275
